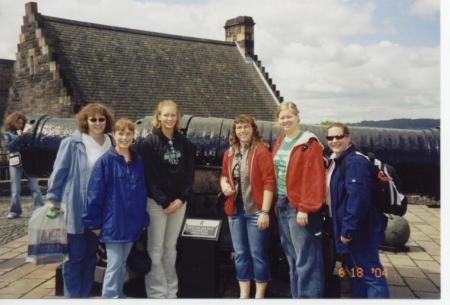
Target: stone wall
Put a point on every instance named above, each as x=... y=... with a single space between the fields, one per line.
x=6 y=70
x=37 y=85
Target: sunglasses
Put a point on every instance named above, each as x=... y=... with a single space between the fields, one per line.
x=94 y=120
x=339 y=137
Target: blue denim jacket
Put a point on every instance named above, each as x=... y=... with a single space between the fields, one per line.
x=68 y=182
x=11 y=141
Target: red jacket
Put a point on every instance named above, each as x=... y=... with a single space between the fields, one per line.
x=305 y=173
x=261 y=171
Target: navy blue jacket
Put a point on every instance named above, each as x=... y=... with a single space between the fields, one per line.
x=354 y=214
x=117 y=198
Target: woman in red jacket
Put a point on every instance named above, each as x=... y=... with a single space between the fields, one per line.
x=300 y=173
x=248 y=180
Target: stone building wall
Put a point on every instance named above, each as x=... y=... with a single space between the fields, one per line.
x=37 y=85
x=6 y=70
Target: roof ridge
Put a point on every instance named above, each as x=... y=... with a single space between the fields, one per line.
x=134 y=31
x=4 y=60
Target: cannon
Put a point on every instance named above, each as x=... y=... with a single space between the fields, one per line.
x=414 y=153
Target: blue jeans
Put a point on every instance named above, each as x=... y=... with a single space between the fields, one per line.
x=368 y=277
x=116 y=269
x=16 y=174
x=250 y=247
x=78 y=271
x=303 y=249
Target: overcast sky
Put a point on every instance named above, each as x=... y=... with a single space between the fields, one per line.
x=345 y=60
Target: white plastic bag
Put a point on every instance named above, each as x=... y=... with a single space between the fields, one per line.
x=47 y=238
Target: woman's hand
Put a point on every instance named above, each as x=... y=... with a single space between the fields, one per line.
x=302 y=218
x=174 y=205
x=49 y=205
x=227 y=190
x=345 y=240
x=263 y=221
x=96 y=232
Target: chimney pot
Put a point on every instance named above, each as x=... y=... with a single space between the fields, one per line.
x=31 y=8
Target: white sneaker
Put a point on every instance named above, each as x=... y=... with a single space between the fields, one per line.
x=12 y=215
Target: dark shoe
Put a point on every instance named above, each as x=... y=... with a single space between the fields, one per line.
x=12 y=215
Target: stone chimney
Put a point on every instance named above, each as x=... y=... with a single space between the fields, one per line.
x=240 y=29
x=31 y=8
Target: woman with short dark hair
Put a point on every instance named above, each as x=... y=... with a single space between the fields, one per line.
x=358 y=226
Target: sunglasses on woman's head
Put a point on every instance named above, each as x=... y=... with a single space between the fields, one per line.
x=338 y=137
x=94 y=120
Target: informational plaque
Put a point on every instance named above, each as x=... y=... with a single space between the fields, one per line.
x=201 y=228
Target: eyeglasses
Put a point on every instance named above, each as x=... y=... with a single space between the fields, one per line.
x=248 y=126
x=94 y=120
x=339 y=137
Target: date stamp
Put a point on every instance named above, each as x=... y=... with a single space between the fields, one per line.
x=358 y=272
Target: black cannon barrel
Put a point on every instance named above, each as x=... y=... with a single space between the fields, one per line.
x=414 y=153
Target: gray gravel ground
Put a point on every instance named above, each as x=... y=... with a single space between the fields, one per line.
x=11 y=229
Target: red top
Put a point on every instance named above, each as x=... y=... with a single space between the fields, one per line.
x=305 y=173
x=261 y=171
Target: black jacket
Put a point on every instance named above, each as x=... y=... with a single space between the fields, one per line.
x=168 y=167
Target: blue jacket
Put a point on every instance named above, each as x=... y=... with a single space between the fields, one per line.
x=68 y=182
x=11 y=140
x=117 y=198
x=354 y=214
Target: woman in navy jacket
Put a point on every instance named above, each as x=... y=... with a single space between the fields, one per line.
x=117 y=200
x=358 y=226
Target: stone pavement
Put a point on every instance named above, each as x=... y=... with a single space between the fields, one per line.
x=411 y=275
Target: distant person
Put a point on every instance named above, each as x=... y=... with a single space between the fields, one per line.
x=248 y=181
x=300 y=172
x=117 y=202
x=67 y=188
x=169 y=171
x=14 y=125
x=358 y=226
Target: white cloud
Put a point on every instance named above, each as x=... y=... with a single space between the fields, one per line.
x=425 y=8
x=382 y=81
x=303 y=44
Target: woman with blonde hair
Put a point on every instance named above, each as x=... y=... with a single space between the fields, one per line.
x=169 y=171
x=14 y=125
x=67 y=189
x=248 y=181
x=300 y=172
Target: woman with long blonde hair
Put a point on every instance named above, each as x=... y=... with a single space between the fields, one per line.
x=169 y=171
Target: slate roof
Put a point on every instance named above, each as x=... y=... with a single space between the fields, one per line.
x=132 y=70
